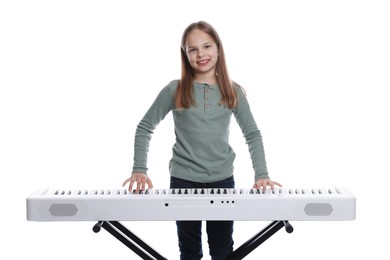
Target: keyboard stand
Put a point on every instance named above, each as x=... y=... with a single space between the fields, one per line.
x=252 y=243
x=130 y=240
x=144 y=251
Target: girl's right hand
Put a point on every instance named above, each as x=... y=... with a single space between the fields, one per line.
x=141 y=179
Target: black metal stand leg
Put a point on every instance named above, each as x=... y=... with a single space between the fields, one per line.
x=144 y=251
x=258 y=239
x=129 y=239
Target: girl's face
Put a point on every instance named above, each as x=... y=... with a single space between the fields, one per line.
x=202 y=53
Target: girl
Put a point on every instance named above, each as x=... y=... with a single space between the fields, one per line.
x=202 y=103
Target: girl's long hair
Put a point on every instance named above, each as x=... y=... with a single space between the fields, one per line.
x=184 y=92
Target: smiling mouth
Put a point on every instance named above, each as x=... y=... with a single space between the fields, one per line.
x=203 y=62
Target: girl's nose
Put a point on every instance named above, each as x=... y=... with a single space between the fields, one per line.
x=200 y=54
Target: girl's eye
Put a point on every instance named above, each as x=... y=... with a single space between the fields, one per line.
x=207 y=46
x=191 y=50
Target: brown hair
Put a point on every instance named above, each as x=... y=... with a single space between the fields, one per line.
x=183 y=96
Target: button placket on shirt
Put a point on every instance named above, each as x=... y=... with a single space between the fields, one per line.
x=207 y=106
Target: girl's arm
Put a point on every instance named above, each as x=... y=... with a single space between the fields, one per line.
x=254 y=141
x=162 y=105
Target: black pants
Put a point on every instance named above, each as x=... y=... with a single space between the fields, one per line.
x=219 y=233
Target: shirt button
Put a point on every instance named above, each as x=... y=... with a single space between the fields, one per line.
x=207 y=106
x=207 y=97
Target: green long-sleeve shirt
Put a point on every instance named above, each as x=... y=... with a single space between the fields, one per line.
x=201 y=152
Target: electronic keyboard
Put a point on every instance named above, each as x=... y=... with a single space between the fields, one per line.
x=191 y=204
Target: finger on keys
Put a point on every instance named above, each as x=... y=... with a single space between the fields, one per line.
x=277 y=183
x=138 y=184
x=149 y=183
x=142 y=183
x=130 y=181
x=273 y=183
x=264 y=183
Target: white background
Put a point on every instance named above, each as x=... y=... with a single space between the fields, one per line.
x=77 y=76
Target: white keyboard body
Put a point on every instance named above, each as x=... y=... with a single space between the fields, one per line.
x=192 y=204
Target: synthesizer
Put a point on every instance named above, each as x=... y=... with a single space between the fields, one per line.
x=298 y=204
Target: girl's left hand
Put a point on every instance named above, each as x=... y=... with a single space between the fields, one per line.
x=264 y=183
